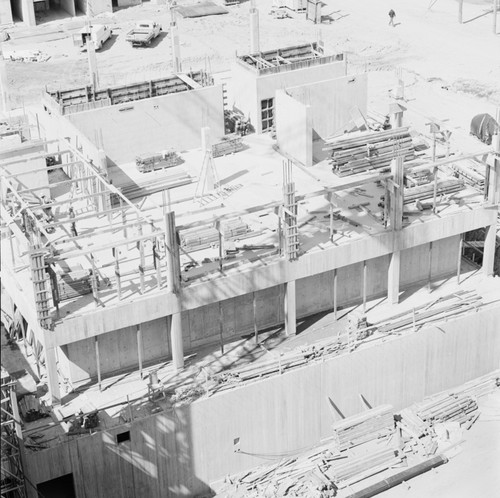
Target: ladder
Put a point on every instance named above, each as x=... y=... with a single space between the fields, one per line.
x=289 y=214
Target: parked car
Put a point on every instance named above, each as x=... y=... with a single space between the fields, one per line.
x=98 y=34
x=143 y=33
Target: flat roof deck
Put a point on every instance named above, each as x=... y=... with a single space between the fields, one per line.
x=251 y=190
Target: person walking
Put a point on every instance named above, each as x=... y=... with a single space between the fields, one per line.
x=392 y=15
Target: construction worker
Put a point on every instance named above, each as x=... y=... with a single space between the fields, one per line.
x=74 y=233
x=392 y=15
x=47 y=209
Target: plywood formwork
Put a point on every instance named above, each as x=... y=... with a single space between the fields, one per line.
x=185 y=449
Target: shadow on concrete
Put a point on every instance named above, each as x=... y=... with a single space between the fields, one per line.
x=108 y=44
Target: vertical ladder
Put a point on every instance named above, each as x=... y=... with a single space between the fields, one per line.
x=290 y=226
x=41 y=286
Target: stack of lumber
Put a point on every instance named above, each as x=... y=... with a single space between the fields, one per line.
x=412 y=423
x=355 y=469
x=371 y=424
x=156 y=184
x=149 y=162
x=73 y=284
x=447 y=408
x=369 y=150
x=426 y=191
x=194 y=239
x=437 y=310
x=480 y=386
x=278 y=364
x=467 y=172
x=227 y=146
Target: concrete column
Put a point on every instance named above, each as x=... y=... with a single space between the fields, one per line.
x=28 y=12
x=176 y=51
x=254 y=31
x=176 y=343
x=489 y=250
x=290 y=309
x=393 y=278
x=51 y=366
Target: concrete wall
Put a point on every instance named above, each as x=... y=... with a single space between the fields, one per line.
x=180 y=451
x=69 y=6
x=155 y=124
x=249 y=89
x=100 y=6
x=331 y=101
x=6 y=12
x=128 y=3
x=293 y=128
x=28 y=12
x=201 y=326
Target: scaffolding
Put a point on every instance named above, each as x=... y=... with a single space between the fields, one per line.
x=12 y=480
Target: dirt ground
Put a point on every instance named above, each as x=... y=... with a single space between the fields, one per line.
x=427 y=43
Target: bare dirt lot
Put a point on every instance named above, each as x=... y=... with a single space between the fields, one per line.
x=427 y=43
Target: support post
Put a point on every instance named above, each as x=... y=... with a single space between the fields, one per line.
x=98 y=361
x=365 y=270
x=221 y=327
x=489 y=250
x=290 y=309
x=459 y=259
x=172 y=254
x=335 y=278
x=51 y=366
x=117 y=274
x=429 y=275
x=460 y=10
x=393 y=277
x=176 y=341
x=495 y=10
x=255 y=328
x=254 y=30
x=139 y=348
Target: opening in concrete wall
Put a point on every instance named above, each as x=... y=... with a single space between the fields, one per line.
x=473 y=249
x=61 y=487
x=17 y=11
x=51 y=10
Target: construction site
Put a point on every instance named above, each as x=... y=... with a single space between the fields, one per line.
x=264 y=269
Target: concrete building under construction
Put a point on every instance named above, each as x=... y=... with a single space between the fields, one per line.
x=147 y=292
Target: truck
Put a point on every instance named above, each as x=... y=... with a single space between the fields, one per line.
x=98 y=34
x=144 y=33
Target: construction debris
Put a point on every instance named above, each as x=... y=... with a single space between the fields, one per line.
x=228 y=145
x=369 y=150
x=31 y=408
x=444 y=187
x=150 y=162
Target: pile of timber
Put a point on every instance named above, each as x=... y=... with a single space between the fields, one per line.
x=480 y=386
x=354 y=469
x=174 y=179
x=367 y=426
x=194 y=239
x=323 y=469
x=227 y=146
x=447 y=408
x=369 y=150
x=412 y=423
x=444 y=187
x=469 y=174
x=437 y=310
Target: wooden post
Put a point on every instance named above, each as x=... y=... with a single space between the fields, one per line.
x=495 y=10
x=255 y=329
x=365 y=270
x=290 y=308
x=93 y=282
x=117 y=274
x=139 y=348
x=221 y=269
x=335 y=294
x=98 y=361
x=331 y=221
x=221 y=327
x=11 y=244
x=429 y=277
x=157 y=263
x=459 y=262
x=176 y=341
x=434 y=197
x=124 y=219
x=460 y=10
